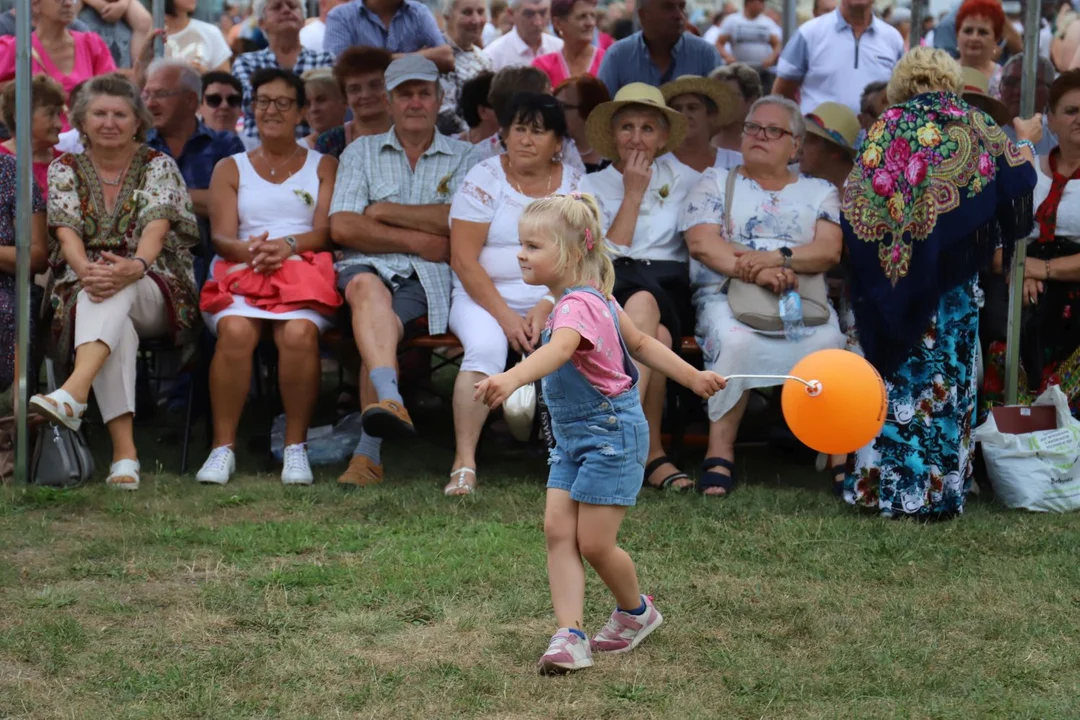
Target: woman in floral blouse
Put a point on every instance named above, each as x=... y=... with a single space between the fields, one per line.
x=122 y=232
x=936 y=189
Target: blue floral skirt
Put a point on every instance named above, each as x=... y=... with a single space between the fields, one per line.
x=921 y=464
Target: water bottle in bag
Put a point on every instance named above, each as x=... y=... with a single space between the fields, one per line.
x=791 y=315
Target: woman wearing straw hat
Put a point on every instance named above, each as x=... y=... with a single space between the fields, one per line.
x=789 y=227
x=640 y=196
x=828 y=152
x=707 y=106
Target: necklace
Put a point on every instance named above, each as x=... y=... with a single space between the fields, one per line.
x=120 y=176
x=273 y=168
x=516 y=186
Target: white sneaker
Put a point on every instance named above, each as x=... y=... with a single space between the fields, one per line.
x=297 y=470
x=219 y=467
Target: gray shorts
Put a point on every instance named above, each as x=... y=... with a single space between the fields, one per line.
x=409 y=300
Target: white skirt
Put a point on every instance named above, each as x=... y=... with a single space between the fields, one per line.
x=731 y=348
x=241 y=307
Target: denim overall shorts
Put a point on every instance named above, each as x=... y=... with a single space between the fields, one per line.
x=600 y=443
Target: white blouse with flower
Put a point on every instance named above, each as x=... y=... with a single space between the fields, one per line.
x=656 y=235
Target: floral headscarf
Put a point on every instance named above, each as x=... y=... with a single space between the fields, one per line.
x=935 y=190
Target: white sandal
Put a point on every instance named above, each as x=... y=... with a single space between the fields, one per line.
x=459 y=486
x=123 y=469
x=57 y=411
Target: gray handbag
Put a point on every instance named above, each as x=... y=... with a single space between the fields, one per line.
x=759 y=308
x=61 y=456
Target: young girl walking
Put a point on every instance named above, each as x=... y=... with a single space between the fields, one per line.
x=601 y=437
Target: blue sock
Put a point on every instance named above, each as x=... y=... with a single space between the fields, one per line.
x=385 y=381
x=369 y=447
x=577 y=632
x=636 y=611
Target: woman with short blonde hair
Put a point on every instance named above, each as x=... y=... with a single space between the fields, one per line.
x=935 y=189
x=924 y=70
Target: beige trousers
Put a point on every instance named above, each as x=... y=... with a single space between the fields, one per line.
x=136 y=311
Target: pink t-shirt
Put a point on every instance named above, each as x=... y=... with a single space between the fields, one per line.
x=92 y=57
x=599 y=357
x=554 y=64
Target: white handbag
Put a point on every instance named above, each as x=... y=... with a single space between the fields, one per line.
x=520 y=411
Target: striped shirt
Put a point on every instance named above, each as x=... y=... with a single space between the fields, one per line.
x=249 y=63
x=376 y=169
x=411 y=29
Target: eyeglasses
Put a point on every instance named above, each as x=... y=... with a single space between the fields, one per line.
x=771 y=131
x=214 y=100
x=283 y=104
x=159 y=95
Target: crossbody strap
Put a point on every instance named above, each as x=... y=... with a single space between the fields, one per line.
x=729 y=196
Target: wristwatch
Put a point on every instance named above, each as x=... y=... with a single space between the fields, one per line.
x=291 y=242
x=785 y=253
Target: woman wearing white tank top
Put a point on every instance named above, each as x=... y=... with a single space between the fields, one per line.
x=269 y=209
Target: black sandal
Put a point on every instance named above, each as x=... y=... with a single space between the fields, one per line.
x=709 y=479
x=670 y=480
x=839 y=473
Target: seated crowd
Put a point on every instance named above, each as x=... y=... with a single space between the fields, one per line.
x=376 y=186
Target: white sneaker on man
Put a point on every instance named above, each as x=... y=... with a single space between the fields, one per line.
x=219 y=467
x=297 y=470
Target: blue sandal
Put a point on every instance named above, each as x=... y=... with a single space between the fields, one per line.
x=670 y=480
x=710 y=479
x=839 y=474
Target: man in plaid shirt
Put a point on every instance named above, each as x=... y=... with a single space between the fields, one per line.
x=390 y=217
x=280 y=21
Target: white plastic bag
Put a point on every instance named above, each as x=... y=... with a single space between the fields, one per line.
x=1038 y=470
x=519 y=411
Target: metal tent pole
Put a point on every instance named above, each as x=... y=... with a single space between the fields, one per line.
x=919 y=10
x=790 y=23
x=158 y=11
x=23 y=209
x=1016 y=272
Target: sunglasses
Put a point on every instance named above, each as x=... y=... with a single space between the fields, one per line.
x=214 y=100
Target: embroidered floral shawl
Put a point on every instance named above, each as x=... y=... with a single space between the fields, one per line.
x=152 y=189
x=935 y=190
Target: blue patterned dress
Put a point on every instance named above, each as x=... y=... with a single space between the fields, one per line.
x=7 y=282
x=921 y=464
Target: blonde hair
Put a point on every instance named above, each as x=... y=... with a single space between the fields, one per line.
x=570 y=220
x=924 y=70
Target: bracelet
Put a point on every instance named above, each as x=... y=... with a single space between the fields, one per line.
x=145 y=265
x=1028 y=144
x=549 y=298
x=1047 y=269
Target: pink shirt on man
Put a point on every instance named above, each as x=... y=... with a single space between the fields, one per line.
x=554 y=65
x=599 y=357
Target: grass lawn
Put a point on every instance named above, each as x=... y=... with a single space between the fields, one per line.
x=254 y=600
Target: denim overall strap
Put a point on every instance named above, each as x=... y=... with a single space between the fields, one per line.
x=570 y=396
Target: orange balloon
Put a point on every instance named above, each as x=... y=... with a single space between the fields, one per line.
x=847 y=408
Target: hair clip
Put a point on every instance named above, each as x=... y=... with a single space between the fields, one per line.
x=576 y=195
x=588 y=239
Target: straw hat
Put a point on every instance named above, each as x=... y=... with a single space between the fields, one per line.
x=719 y=92
x=598 y=127
x=977 y=92
x=836 y=123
